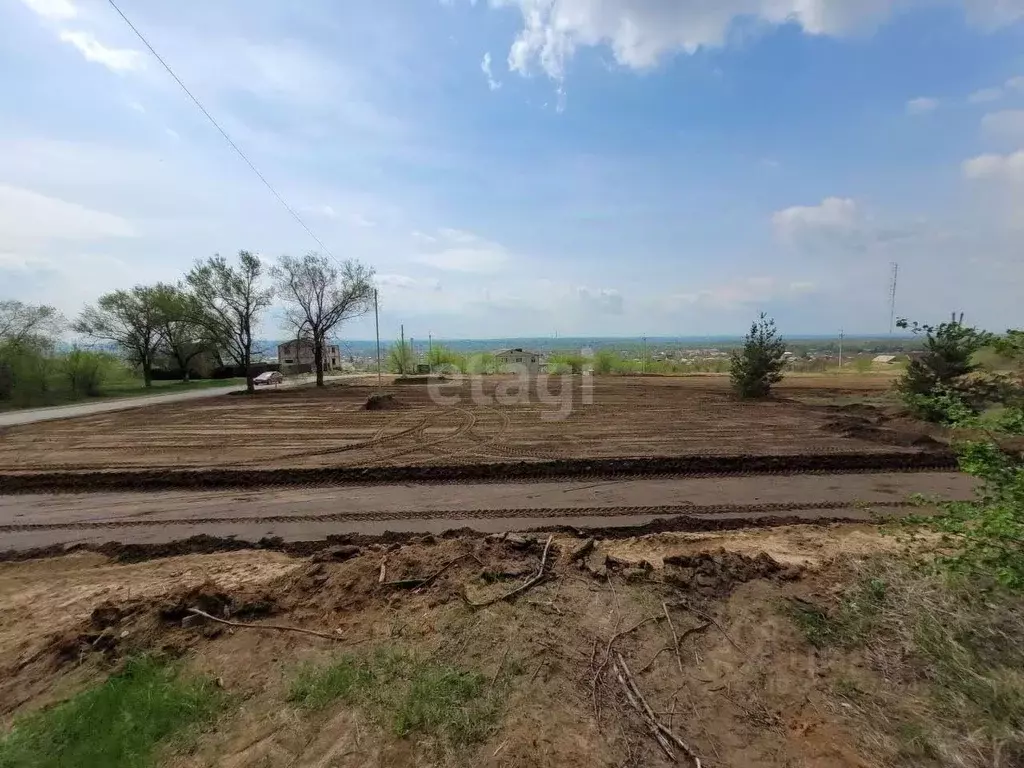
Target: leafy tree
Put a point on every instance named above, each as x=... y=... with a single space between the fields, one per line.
x=182 y=337
x=758 y=365
x=401 y=359
x=321 y=297
x=20 y=322
x=228 y=303
x=131 y=321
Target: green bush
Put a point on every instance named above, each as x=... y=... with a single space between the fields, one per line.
x=84 y=372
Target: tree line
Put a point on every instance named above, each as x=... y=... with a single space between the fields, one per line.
x=216 y=308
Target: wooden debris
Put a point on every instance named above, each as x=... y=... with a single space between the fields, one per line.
x=277 y=627
x=536 y=579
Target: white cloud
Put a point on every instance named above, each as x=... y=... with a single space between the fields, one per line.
x=172 y=134
x=996 y=167
x=985 y=95
x=54 y=10
x=114 y=59
x=1007 y=125
x=485 y=66
x=455 y=250
x=835 y=214
x=137 y=107
x=922 y=105
x=607 y=301
x=1016 y=83
x=741 y=292
x=404 y=282
x=29 y=217
x=641 y=32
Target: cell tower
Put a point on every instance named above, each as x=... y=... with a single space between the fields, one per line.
x=892 y=297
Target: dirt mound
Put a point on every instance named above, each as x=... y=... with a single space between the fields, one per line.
x=878 y=428
x=382 y=401
x=717 y=574
x=144 y=480
x=424 y=379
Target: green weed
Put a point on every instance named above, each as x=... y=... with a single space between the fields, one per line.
x=405 y=695
x=120 y=724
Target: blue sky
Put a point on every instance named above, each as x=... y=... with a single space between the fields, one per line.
x=526 y=167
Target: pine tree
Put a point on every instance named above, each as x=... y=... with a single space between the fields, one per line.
x=759 y=364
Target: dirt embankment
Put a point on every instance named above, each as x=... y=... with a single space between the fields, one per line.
x=695 y=617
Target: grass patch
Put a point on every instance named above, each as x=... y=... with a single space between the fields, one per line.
x=944 y=678
x=122 y=723
x=406 y=695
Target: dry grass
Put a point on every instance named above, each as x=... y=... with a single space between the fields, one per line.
x=937 y=677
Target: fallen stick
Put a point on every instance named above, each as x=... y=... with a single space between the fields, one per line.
x=418 y=582
x=654 y=658
x=278 y=627
x=711 y=619
x=534 y=580
x=608 y=656
x=658 y=735
x=675 y=637
x=383 y=569
x=652 y=718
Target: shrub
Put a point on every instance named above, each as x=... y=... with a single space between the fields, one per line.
x=758 y=365
x=84 y=371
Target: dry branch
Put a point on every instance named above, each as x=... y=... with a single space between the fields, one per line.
x=675 y=637
x=711 y=619
x=278 y=627
x=418 y=582
x=637 y=699
x=383 y=569
x=534 y=580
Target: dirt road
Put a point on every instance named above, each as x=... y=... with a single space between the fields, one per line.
x=31 y=521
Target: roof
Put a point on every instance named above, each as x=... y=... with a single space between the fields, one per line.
x=883 y=359
x=516 y=351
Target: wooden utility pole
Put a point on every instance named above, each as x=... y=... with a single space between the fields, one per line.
x=840 y=349
x=401 y=359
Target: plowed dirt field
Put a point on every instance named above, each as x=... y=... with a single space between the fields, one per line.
x=463 y=422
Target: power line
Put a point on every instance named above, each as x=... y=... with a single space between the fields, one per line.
x=223 y=133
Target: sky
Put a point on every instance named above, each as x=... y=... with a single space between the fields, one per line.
x=517 y=168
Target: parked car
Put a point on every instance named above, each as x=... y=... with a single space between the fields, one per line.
x=267 y=378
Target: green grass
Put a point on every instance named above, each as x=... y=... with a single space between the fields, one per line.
x=138 y=389
x=122 y=723
x=405 y=695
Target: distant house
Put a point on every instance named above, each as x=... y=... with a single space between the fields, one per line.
x=299 y=352
x=514 y=360
x=883 y=359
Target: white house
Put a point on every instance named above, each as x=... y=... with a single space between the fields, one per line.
x=515 y=360
x=884 y=359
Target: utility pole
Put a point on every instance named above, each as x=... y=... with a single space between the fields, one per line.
x=401 y=359
x=430 y=351
x=643 y=361
x=840 y=349
x=376 y=323
x=892 y=297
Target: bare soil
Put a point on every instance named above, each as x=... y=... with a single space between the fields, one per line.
x=745 y=688
x=332 y=428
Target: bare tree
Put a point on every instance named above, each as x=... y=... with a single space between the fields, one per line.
x=322 y=296
x=182 y=337
x=129 y=319
x=21 y=322
x=228 y=303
